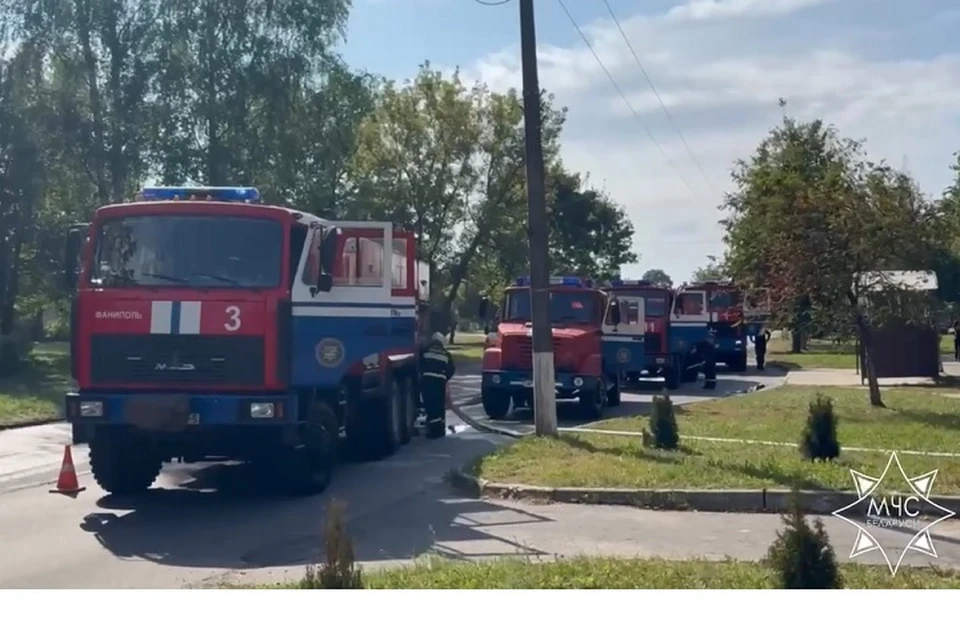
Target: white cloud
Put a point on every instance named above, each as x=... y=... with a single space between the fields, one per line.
x=720 y=67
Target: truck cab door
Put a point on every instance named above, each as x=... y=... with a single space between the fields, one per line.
x=623 y=341
x=364 y=268
x=690 y=307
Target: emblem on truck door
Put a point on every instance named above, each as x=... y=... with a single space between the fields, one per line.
x=329 y=352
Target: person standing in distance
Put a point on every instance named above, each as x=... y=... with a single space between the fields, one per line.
x=436 y=369
x=710 y=360
x=760 y=341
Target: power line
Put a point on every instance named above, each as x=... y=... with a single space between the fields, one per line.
x=656 y=93
x=626 y=101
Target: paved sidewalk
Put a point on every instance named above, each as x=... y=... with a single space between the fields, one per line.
x=850 y=377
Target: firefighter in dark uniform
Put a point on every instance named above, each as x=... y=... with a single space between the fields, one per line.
x=760 y=347
x=710 y=360
x=436 y=369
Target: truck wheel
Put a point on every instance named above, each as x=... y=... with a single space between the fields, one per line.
x=613 y=395
x=307 y=468
x=376 y=434
x=739 y=364
x=592 y=402
x=411 y=406
x=123 y=462
x=496 y=403
x=672 y=377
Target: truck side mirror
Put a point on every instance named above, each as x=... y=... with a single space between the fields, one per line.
x=329 y=241
x=483 y=309
x=615 y=318
x=328 y=249
x=71 y=257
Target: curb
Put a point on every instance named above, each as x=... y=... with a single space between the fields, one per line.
x=37 y=422
x=716 y=501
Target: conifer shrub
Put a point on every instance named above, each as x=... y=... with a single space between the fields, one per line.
x=819 y=438
x=664 y=433
x=339 y=570
x=802 y=557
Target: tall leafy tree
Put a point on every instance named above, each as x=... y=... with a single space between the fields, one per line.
x=590 y=233
x=715 y=269
x=815 y=221
x=658 y=277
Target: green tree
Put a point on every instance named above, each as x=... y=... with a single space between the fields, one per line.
x=231 y=76
x=715 y=269
x=446 y=161
x=589 y=234
x=23 y=176
x=658 y=277
x=818 y=224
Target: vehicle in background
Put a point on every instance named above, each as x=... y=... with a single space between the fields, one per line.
x=641 y=342
x=207 y=325
x=577 y=311
x=704 y=308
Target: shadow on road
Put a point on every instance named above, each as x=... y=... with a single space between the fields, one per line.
x=635 y=400
x=220 y=516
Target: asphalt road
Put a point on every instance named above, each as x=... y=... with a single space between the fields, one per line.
x=635 y=401
x=204 y=525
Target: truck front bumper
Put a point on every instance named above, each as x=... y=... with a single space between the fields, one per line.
x=204 y=410
x=568 y=385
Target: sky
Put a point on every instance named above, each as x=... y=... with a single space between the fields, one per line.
x=884 y=72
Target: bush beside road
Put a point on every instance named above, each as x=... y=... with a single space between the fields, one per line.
x=35 y=393
x=916 y=420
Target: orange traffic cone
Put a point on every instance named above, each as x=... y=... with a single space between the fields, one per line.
x=67 y=483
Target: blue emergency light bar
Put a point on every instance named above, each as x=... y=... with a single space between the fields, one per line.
x=218 y=194
x=562 y=281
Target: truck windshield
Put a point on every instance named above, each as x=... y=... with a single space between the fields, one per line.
x=188 y=251
x=723 y=300
x=654 y=304
x=573 y=307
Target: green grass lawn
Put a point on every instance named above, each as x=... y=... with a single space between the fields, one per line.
x=618 y=573
x=825 y=354
x=36 y=392
x=919 y=420
x=468 y=348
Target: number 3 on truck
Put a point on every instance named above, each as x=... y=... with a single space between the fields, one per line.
x=233 y=314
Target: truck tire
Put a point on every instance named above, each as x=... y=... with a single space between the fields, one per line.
x=496 y=403
x=613 y=395
x=376 y=432
x=739 y=363
x=411 y=408
x=307 y=467
x=593 y=402
x=123 y=463
x=672 y=377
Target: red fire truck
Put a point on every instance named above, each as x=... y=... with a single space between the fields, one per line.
x=577 y=313
x=207 y=325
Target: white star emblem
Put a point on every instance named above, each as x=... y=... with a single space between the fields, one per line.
x=920 y=486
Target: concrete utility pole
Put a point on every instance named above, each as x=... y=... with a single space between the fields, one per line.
x=544 y=389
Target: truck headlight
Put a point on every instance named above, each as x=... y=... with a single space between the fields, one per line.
x=578 y=382
x=91 y=409
x=495 y=378
x=261 y=409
